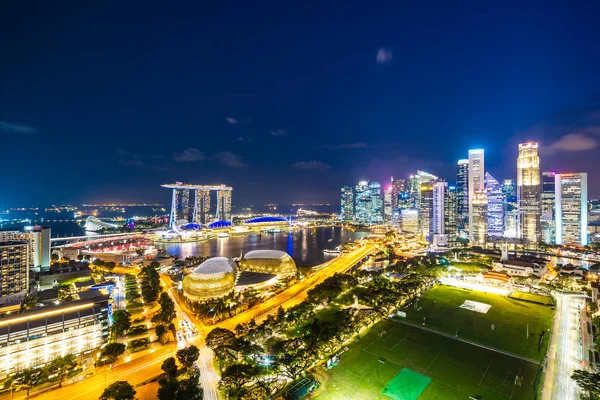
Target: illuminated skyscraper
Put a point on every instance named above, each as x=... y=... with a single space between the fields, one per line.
x=462 y=197
x=202 y=207
x=409 y=220
x=376 y=202
x=436 y=227
x=387 y=204
x=571 y=208
x=14 y=269
x=495 y=211
x=223 y=205
x=450 y=228
x=509 y=192
x=476 y=185
x=183 y=204
x=398 y=187
x=478 y=225
x=528 y=192
x=363 y=204
x=547 y=212
x=426 y=210
x=347 y=206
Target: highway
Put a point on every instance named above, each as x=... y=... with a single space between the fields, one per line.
x=567 y=351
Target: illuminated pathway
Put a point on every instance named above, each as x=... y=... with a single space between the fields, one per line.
x=566 y=349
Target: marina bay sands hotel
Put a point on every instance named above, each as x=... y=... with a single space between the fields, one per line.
x=191 y=203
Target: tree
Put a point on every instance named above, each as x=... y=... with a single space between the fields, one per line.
x=79 y=257
x=119 y=390
x=26 y=379
x=189 y=389
x=167 y=389
x=167 y=309
x=588 y=381
x=161 y=331
x=170 y=368
x=54 y=257
x=62 y=367
x=219 y=337
x=111 y=352
x=293 y=365
x=121 y=322
x=236 y=376
x=187 y=356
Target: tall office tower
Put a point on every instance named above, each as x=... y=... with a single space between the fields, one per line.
x=362 y=204
x=376 y=202
x=413 y=191
x=398 y=187
x=443 y=215
x=495 y=210
x=182 y=201
x=202 y=209
x=571 y=209
x=476 y=183
x=426 y=210
x=547 y=212
x=41 y=247
x=347 y=200
x=14 y=269
x=478 y=225
x=509 y=192
x=404 y=201
x=387 y=204
x=450 y=216
x=409 y=221
x=528 y=192
x=462 y=197
x=223 y=205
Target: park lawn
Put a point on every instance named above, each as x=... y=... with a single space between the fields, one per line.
x=470 y=267
x=535 y=298
x=440 y=308
x=457 y=370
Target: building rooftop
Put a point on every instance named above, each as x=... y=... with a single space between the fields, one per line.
x=216 y=265
x=256 y=254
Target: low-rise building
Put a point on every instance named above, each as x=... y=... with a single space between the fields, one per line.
x=35 y=337
x=520 y=268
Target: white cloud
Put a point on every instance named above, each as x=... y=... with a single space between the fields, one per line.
x=572 y=142
x=384 y=56
x=279 y=132
x=19 y=129
x=230 y=159
x=231 y=120
x=190 y=154
x=311 y=165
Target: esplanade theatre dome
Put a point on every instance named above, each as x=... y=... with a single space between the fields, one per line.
x=213 y=278
x=268 y=262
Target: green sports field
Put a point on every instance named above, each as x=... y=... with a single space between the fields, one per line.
x=457 y=370
x=534 y=298
x=440 y=306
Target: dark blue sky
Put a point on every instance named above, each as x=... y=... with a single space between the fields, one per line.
x=286 y=101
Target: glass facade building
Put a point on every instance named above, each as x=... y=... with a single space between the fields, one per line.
x=547 y=204
x=462 y=196
x=347 y=203
x=14 y=269
x=509 y=192
x=495 y=212
x=476 y=185
x=528 y=192
x=571 y=208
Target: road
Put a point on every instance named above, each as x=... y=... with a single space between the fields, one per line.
x=135 y=372
x=567 y=351
x=297 y=293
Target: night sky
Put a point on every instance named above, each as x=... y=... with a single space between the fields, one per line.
x=104 y=101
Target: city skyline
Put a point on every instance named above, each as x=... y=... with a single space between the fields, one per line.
x=299 y=109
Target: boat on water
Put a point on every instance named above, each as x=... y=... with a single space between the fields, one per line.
x=223 y=234
x=274 y=230
x=330 y=240
x=335 y=251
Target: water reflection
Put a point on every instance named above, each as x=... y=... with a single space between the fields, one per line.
x=305 y=246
